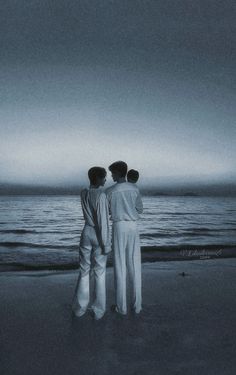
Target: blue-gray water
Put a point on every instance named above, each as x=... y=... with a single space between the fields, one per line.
x=38 y=230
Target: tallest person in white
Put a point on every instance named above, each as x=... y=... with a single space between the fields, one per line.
x=125 y=205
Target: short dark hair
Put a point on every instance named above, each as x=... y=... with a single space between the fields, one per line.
x=119 y=166
x=133 y=175
x=96 y=172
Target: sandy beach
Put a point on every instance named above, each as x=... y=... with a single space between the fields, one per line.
x=186 y=326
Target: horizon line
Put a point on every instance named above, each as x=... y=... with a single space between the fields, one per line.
x=184 y=189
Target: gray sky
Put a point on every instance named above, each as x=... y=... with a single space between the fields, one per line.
x=85 y=83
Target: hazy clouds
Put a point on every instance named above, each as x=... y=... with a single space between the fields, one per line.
x=89 y=82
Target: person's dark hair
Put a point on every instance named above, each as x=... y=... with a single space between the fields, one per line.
x=96 y=172
x=119 y=166
x=133 y=175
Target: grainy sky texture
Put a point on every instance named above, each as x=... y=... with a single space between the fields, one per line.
x=85 y=83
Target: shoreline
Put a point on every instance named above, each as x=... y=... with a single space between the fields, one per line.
x=150 y=254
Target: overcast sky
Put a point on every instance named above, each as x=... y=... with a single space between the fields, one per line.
x=85 y=83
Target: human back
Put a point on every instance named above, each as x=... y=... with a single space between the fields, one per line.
x=90 y=198
x=124 y=202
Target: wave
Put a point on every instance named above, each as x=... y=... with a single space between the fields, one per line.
x=149 y=254
x=200 y=229
x=191 y=232
x=34 y=231
x=17 y=231
x=35 y=245
x=158 y=213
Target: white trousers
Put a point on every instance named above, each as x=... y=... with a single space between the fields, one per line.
x=127 y=257
x=90 y=251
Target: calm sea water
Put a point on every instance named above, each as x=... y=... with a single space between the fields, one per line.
x=40 y=230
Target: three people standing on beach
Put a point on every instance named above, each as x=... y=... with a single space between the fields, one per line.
x=124 y=204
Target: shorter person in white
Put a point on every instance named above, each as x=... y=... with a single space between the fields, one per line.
x=125 y=205
x=94 y=245
x=132 y=176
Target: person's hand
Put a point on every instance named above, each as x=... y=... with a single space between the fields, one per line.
x=107 y=249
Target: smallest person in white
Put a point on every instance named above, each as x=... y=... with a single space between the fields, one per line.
x=94 y=245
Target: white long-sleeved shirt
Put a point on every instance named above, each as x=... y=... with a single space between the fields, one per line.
x=96 y=214
x=125 y=203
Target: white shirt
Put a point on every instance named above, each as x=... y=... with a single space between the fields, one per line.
x=125 y=203
x=96 y=214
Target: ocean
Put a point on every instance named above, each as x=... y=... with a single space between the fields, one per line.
x=45 y=230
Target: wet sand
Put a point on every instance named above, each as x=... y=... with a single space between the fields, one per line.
x=186 y=327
